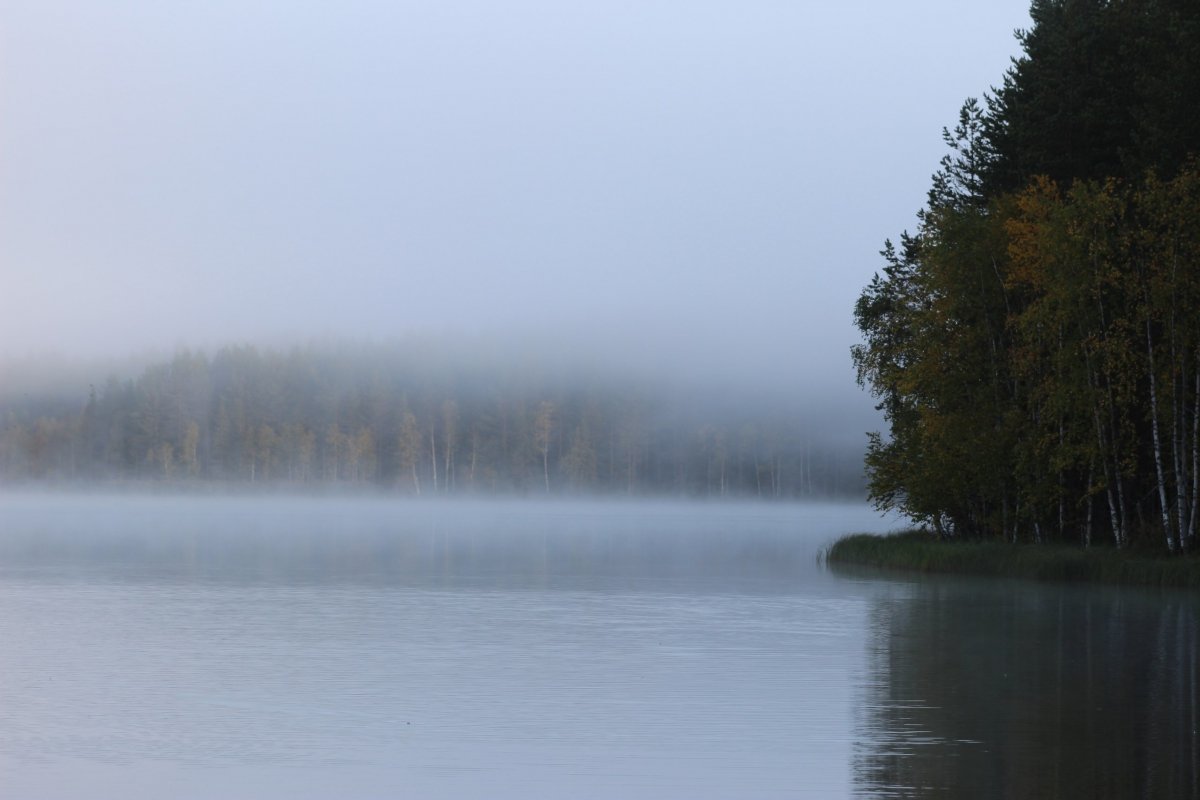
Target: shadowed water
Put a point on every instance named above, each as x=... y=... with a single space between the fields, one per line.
x=217 y=647
x=994 y=689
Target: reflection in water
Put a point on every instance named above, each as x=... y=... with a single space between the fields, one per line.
x=294 y=541
x=375 y=648
x=1014 y=690
x=201 y=648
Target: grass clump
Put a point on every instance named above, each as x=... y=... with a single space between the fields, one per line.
x=920 y=551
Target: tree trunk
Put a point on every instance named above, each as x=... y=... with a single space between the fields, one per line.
x=1114 y=517
x=1162 y=487
x=433 y=462
x=474 y=457
x=1087 y=530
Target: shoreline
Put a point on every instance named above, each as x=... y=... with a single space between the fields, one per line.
x=916 y=551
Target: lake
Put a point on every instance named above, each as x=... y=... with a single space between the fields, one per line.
x=249 y=647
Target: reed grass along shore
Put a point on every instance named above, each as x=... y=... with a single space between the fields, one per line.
x=919 y=551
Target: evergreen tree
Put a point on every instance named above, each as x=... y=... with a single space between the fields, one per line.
x=1033 y=344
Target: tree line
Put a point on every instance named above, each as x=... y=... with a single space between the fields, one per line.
x=1035 y=343
x=407 y=419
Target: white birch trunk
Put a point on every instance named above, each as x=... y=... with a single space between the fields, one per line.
x=1114 y=517
x=433 y=459
x=1158 y=468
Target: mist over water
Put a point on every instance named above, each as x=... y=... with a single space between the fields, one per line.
x=245 y=647
x=249 y=647
x=517 y=544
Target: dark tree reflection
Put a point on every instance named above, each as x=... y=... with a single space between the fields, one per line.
x=1021 y=691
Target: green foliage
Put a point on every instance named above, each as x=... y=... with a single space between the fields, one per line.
x=1035 y=345
x=1104 y=89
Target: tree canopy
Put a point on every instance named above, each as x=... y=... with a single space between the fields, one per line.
x=415 y=418
x=1035 y=343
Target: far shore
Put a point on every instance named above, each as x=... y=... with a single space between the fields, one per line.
x=919 y=551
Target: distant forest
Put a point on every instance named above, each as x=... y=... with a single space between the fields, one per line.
x=1035 y=344
x=412 y=420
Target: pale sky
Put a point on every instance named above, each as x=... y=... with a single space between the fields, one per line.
x=707 y=183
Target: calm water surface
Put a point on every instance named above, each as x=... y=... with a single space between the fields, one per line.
x=311 y=648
